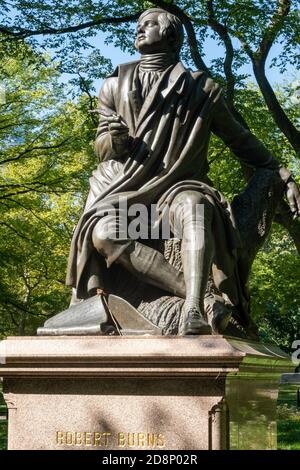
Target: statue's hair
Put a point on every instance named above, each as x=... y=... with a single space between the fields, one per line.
x=170 y=27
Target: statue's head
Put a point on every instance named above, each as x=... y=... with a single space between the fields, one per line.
x=158 y=31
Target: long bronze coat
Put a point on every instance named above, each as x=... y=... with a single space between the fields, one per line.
x=169 y=135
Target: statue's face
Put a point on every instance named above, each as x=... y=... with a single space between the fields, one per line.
x=148 y=36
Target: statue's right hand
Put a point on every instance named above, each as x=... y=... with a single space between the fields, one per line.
x=117 y=126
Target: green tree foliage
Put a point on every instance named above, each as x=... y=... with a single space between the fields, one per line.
x=274 y=283
x=47 y=131
x=46 y=156
x=275 y=290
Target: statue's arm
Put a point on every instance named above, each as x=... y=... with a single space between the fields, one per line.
x=248 y=148
x=112 y=133
x=251 y=151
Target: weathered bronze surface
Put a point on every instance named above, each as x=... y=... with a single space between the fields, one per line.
x=97 y=316
x=156 y=118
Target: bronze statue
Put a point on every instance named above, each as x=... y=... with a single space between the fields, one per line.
x=156 y=118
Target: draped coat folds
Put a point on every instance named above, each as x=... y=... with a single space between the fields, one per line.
x=167 y=153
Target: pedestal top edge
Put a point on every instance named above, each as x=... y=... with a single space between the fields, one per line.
x=171 y=347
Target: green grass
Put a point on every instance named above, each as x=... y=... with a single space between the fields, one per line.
x=3 y=435
x=288 y=422
x=288 y=433
x=3 y=423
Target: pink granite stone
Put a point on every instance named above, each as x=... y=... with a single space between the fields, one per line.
x=139 y=393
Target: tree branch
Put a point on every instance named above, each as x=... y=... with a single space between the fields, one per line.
x=192 y=40
x=13 y=318
x=258 y=59
x=283 y=9
x=8 y=103
x=49 y=226
x=222 y=32
x=280 y=117
x=29 y=188
x=85 y=89
x=29 y=184
x=32 y=149
x=21 y=235
x=285 y=218
x=23 y=309
x=246 y=47
x=14 y=124
x=25 y=33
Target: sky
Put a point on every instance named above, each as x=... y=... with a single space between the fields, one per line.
x=211 y=50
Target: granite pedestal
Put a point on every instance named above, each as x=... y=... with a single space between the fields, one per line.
x=104 y=393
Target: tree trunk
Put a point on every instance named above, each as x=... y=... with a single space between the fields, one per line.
x=285 y=219
x=279 y=116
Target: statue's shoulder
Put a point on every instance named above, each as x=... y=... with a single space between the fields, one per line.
x=207 y=82
x=111 y=83
x=198 y=74
x=121 y=68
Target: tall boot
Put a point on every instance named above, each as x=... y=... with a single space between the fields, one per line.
x=197 y=252
x=148 y=264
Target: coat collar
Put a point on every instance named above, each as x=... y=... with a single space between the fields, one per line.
x=138 y=111
x=172 y=76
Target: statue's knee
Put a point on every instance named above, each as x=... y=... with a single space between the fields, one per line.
x=190 y=201
x=190 y=207
x=190 y=198
x=101 y=238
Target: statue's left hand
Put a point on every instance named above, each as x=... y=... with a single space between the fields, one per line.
x=292 y=192
x=293 y=197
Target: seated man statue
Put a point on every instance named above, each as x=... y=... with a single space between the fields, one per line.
x=156 y=118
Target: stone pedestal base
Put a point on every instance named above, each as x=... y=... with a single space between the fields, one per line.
x=105 y=393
